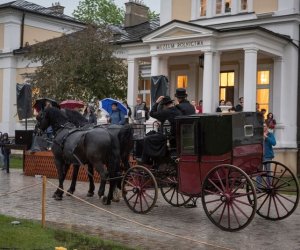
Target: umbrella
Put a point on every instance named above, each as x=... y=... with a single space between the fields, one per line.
x=107 y=102
x=71 y=104
x=41 y=103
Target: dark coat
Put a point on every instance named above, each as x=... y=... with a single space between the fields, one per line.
x=186 y=108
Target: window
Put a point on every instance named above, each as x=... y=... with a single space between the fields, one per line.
x=244 y=5
x=144 y=91
x=263 y=89
x=227 y=86
x=187 y=142
x=223 y=6
x=202 y=7
x=218 y=6
x=182 y=81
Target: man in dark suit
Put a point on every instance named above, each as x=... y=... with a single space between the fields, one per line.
x=184 y=105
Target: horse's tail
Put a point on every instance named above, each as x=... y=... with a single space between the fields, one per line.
x=125 y=137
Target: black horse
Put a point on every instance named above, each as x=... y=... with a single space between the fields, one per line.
x=125 y=134
x=96 y=147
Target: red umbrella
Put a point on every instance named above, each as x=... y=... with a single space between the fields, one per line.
x=71 y=104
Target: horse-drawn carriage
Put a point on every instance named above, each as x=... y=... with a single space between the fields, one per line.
x=219 y=158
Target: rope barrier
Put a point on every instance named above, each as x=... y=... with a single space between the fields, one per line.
x=15 y=191
x=138 y=223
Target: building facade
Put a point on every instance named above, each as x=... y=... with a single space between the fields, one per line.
x=23 y=24
x=223 y=49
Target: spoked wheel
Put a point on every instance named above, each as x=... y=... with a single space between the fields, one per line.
x=224 y=197
x=169 y=190
x=277 y=191
x=139 y=189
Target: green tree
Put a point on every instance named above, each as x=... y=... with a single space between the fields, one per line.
x=99 y=12
x=79 y=66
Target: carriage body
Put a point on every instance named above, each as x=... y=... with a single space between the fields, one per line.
x=207 y=140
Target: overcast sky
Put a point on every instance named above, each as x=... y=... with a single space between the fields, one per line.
x=71 y=5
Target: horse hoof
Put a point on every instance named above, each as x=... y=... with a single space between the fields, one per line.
x=105 y=201
x=69 y=192
x=57 y=197
x=90 y=194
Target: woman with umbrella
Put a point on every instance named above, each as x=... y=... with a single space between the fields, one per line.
x=116 y=116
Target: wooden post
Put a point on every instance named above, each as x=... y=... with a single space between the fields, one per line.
x=44 y=202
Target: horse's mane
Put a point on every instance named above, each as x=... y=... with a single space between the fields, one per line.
x=55 y=117
x=75 y=117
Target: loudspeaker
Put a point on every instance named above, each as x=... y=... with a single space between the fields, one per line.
x=24 y=137
x=24 y=101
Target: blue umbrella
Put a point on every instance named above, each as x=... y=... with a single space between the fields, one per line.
x=107 y=102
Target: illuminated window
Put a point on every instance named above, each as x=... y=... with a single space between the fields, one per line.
x=244 y=5
x=202 y=7
x=223 y=6
x=144 y=90
x=263 y=90
x=227 y=86
x=263 y=77
x=182 y=81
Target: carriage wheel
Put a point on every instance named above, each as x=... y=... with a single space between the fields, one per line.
x=139 y=189
x=169 y=190
x=224 y=197
x=277 y=191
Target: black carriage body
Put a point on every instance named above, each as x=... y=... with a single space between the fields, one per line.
x=207 y=140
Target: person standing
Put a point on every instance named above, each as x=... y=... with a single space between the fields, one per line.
x=89 y=114
x=140 y=111
x=268 y=155
x=199 y=107
x=270 y=121
x=128 y=116
x=240 y=106
x=116 y=116
x=184 y=105
x=5 y=152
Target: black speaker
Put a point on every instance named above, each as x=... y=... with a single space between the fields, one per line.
x=24 y=101
x=23 y=137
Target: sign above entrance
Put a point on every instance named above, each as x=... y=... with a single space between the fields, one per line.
x=180 y=45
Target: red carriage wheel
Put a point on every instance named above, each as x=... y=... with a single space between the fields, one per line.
x=139 y=189
x=277 y=191
x=169 y=190
x=225 y=193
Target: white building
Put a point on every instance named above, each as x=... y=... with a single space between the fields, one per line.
x=21 y=24
x=249 y=49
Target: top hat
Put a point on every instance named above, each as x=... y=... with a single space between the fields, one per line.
x=166 y=100
x=181 y=93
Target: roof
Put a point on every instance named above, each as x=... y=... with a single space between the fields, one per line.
x=135 y=33
x=37 y=9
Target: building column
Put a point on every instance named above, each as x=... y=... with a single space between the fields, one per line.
x=192 y=82
x=9 y=99
x=250 y=72
x=133 y=80
x=216 y=80
x=207 y=82
x=155 y=65
x=164 y=66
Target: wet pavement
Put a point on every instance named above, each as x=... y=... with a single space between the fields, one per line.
x=188 y=222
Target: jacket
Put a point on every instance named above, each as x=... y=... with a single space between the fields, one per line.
x=186 y=108
x=269 y=142
x=117 y=117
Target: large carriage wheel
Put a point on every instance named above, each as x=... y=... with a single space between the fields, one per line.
x=139 y=189
x=224 y=197
x=277 y=191
x=169 y=190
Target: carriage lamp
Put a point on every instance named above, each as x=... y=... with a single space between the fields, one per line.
x=167 y=131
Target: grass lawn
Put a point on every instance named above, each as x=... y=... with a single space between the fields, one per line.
x=16 y=161
x=29 y=235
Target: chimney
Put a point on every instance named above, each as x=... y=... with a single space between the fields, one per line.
x=136 y=13
x=56 y=8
